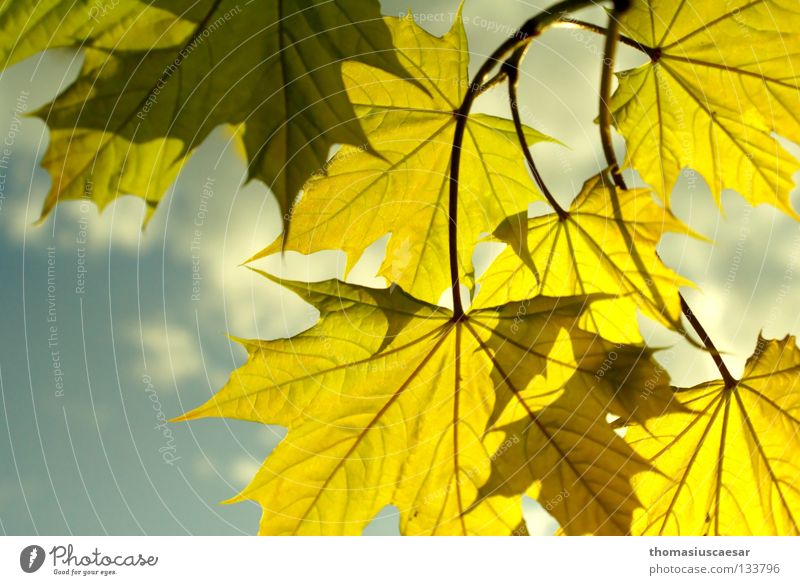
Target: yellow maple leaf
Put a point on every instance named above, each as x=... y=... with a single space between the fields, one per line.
x=722 y=80
x=402 y=188
x=606 y=244
x=730 y=466
x=389 y=400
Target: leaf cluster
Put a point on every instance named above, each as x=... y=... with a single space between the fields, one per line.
x=542 y=386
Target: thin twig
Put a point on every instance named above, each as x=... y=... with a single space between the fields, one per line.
x=591 y=27
x=610 y=55
x=499 y=78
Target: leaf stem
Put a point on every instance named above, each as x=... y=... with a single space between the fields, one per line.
x=610 y=55
x=511 y=68
x=651 y=52
x=529 y=31
x=499 y=78
x=727 y=377
x=612 y=38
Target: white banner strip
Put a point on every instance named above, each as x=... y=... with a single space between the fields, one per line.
x=406 y=561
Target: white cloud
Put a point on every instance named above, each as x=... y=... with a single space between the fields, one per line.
x=170 y=351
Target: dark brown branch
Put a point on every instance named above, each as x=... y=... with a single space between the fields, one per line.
x=651 y=52
x=499 y=78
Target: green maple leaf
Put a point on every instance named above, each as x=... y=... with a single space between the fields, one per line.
x=27 y=27
x=723 y=79
x=388 y=400
x=729 y=464
x=158 y=78
x=402 y=189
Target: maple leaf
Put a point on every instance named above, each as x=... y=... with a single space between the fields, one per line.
x=572 y=462
x=730 y=466
x=159 y=77
x=389 y=400
x=27 y=28
x=403 y=188
x=723 y=79
x=605 y=244
x=567 y=455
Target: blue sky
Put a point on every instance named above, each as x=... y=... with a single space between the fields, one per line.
x=83 y=449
